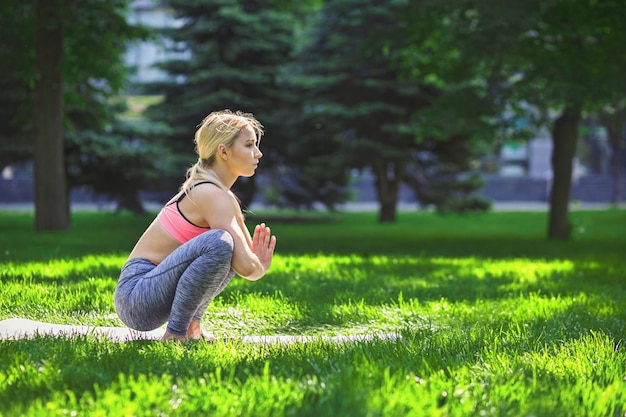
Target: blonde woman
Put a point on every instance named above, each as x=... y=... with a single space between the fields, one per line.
x=199 y=240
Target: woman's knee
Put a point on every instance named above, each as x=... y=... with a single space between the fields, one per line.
x=226 y=239
x=219 y=241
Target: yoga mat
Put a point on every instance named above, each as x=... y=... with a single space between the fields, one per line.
x=18 y=328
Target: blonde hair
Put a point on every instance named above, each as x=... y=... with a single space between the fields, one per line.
x=219 y=127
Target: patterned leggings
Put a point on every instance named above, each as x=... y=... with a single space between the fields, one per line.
x=180 y=288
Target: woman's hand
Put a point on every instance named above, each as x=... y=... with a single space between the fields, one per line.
x=263 y=244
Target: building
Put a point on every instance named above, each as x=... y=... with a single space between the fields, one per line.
x=144 y=55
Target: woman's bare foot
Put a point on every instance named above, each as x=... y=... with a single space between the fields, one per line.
x=170 y=337
x=195 y=332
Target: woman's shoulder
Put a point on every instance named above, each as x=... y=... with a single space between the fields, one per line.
x=204 y=184
x=206 y=188
x=210 y=195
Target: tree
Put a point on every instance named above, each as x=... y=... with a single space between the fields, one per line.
x=51 y=191
x=313 y=168
x=15 y=101
x=561 y=56
x=443 y=176
x=368 y=110
x=121 y=159
x=66 y=55
x=233 y=55
x=355 y=98
x=613 y=118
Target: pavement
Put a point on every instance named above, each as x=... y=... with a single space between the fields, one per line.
x=496 y=206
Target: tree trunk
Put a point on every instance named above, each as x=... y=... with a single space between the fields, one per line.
x=129 y=200
x=52 y=211
x=564 y=139
x=615 y=125
x=388 y=176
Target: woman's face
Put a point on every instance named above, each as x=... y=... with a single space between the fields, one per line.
x=244 y=154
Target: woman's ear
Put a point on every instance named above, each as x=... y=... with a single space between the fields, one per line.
x=222 y=151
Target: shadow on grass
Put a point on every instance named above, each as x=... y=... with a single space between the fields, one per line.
x=387 y=279
x=478 y=247
x=391 y=281
x=321 y=286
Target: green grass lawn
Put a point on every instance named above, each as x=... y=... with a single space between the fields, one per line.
x=495 y=320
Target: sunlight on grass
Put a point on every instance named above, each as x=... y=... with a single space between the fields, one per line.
x=62 y=268
x=319 y=294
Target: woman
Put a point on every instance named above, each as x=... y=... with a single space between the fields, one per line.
x=199 y=240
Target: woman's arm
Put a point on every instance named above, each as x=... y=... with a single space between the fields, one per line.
x=252 y=255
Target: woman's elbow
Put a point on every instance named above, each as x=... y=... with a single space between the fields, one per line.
x=251 y=271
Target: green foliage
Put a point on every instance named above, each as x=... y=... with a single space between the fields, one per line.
x=355 y=103
x=313 y=169
x=96 y=34
x=351 y=87
x=544 y=62
x=234 y=55
x=122 y=160
x=16 y=36
x=547 y=53
x=444 y=176
x=93 y=69
x=362 y=105
x=102 y=152
x=576 y=47
x=299 y=5
x=494 y=320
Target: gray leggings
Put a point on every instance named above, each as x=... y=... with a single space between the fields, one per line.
x=180 y=288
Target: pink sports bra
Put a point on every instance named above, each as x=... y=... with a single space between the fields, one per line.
x=175 y=222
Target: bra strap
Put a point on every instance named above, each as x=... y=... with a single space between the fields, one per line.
x=183 y=194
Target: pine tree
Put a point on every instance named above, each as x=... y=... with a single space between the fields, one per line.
x=369 y=109
x=355 y=96
x=231 y=54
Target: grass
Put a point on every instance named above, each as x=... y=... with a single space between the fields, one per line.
x=495 y=319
